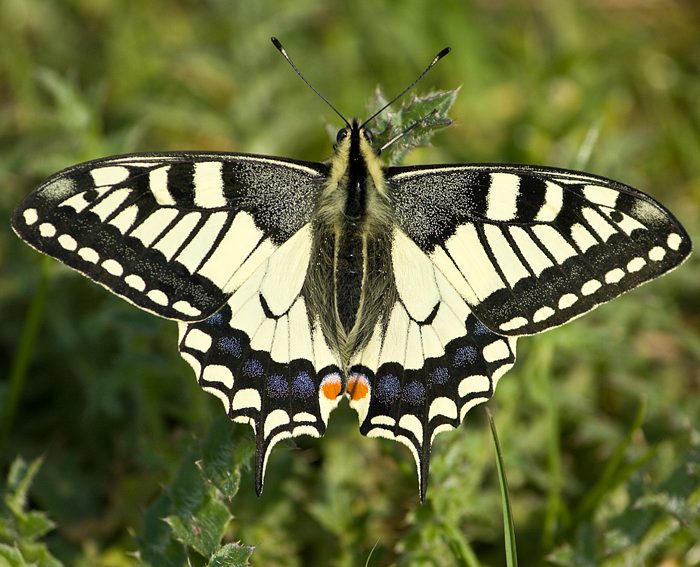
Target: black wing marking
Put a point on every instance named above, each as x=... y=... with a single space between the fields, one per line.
x=174 y=233
x=530 y=248
x=428 y=364
x=264 y=355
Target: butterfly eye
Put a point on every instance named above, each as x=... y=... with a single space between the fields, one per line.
x=368 y=135
x=342 y=134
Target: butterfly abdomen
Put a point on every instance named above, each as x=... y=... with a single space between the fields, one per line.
x=347 y=283
x=349 y=269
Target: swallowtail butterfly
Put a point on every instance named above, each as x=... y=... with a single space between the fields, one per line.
x=295 y=284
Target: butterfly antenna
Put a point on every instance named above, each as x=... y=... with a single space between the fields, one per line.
x=409 y=87
x=276 y=42
x=409 y=129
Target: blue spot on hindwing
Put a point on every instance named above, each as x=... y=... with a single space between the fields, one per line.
x=439 y=376
x=253 y=368
x=413 y=393
x=230 y=345
x=277 y=386
x=480 y=328
x=465 y=355
x=216 y=319
x=388 y=389
x=303 y=386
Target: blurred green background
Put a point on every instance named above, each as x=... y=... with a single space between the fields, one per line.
x=598 y=420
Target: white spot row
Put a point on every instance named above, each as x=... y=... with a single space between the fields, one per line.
x=674 y=241
x=542 y=314
x=567 y=300
x=89 y=255
x=657 y=253
x=590 y=287
x=68 y=242
x=47 y=230
x=113 y=267
x=30 y=216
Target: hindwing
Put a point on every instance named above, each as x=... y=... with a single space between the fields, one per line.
x=426 y=364
x=264 y=354
x=530 y=248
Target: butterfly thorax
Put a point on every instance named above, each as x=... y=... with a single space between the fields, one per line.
x=352 y=246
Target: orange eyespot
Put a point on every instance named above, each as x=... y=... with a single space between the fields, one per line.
x=331 y=386
x=358 y=386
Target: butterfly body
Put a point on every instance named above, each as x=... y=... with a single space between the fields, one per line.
x=350 y=246
x=403 y=289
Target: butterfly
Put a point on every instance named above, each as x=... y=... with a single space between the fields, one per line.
x=403 y=289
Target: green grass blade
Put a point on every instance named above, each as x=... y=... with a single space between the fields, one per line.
x=509 y=528
x=615 y=472
x=18 y=370
x=463 y=552
x=555 y=506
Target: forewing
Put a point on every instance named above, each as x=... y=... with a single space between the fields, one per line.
x=530 y=248
x=264 y=356
x=428 y=363
x=175 y=234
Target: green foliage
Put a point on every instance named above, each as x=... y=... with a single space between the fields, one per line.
x=421 y=115
x=597 y=421
x=21 y=529
x=632 y=531
x=191 y=518
x=230 y=555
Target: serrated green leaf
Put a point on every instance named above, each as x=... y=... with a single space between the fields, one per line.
x=19 y=480
x=223 y=456
x=33 y=525
x=17 y=525
x=187 y=490
x=192 y=514
x=587 y=551
x=38 y=554
x=170 y=554
x=427 y=112
x=616 y=471
x=20 y=527
x=653 y=517
x=685 y=479
x=28 y=554
x=157 y=547
x=204 y=529
x=11 y=557
x=231 y=555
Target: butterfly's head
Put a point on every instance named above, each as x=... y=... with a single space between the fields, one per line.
x=354 y=136
x=355 y=179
